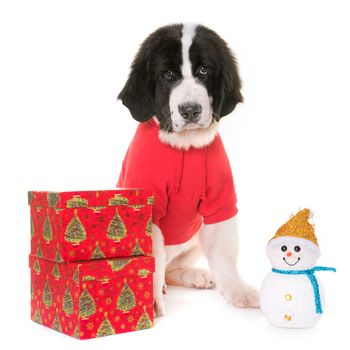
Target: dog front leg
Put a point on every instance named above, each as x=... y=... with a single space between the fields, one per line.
x=220 y=246
x=159 y=275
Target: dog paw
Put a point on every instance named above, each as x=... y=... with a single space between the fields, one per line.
x=159 y=307
x=197 y=278
x=242 y=295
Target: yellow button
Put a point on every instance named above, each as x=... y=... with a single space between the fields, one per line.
x=288 y=297
x=287 y=317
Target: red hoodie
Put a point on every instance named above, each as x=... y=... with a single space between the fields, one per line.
x=190 y=186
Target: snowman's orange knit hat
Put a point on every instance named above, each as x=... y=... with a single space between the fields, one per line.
x=298 y=226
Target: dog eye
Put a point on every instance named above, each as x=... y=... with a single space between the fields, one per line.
x=297 y=248
x=204 y=70
x=284 y=248
x=168 y=74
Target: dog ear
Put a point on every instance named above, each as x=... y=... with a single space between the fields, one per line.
x=229 y=88
x=138 y=92
x=231 y=94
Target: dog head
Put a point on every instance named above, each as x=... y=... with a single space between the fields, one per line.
x=185 y=76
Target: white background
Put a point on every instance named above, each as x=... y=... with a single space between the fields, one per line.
x=62 y=64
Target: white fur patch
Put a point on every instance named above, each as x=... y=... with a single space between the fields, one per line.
x=196 y=138
x=190 y=90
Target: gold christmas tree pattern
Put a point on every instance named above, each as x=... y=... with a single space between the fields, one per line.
x=137 y=250
x=52 y=199
x=105 y=328
x=47 y=296
x=76 y=333
x=116 y=228
x=75 y=232
x=117 y=200
x=126 y=299
x=37 y=316
x=143 y=273
x=67 y=305
x=144 y=321
x=31 y=291
x=47 y=230
x=56 y=272
x=150 y=200
x=32 y=231
x=149 y=227
x=77 y=202
x=39 y=253
x=76 y=275
x=58 y=257
x=87 y=305
x=97 y=253
x=30 y=197
x=119 y=264
x=56 y=323
x=36 y=266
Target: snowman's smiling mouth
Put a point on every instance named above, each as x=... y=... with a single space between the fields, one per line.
x=285 y=260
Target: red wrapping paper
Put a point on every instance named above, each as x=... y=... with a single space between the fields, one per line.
x=87 y=225
x=92 y=298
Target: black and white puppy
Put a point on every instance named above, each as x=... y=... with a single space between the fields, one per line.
x=186 y=78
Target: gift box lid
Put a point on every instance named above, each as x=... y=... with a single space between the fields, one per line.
x=79 y=199
x=101 y=270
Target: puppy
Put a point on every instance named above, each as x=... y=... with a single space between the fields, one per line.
x=183 y=80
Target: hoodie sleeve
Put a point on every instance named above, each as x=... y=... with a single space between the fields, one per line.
x=137 y=172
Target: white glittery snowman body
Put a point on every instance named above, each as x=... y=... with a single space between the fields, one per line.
x=288 y=300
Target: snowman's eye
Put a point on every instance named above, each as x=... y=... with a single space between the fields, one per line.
x=297 y=248
x=284 y=248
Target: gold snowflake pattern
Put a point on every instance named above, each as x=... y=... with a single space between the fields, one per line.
x=108 y=301
x=140 y=285
x=131 y=319
x=101 y=292
x=71 y=253
x=90 y=326
x=147 y=295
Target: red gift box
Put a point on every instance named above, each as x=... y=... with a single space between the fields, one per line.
x=86 y=225
x=93 y=298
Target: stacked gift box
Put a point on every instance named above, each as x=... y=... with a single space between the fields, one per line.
x=91 y=269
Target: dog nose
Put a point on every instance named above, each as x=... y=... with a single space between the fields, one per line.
x=190 y=111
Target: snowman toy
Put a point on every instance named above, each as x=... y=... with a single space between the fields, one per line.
x=291 y=296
